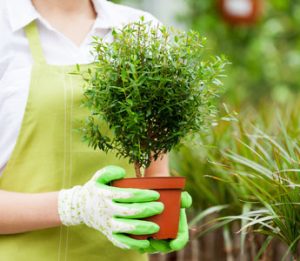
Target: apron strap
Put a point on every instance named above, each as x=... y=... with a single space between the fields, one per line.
x=32 y=34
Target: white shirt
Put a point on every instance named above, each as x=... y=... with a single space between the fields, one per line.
x=16 y=60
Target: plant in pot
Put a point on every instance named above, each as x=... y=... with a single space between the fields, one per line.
x=152 y=86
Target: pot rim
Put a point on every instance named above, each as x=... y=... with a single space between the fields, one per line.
x=151 y=183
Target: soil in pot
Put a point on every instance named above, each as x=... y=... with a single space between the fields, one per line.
x=170 y=189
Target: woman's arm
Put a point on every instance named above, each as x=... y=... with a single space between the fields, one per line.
x=158 y=168
x=20 y=212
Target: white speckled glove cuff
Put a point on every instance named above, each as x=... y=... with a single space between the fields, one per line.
x=69 y=209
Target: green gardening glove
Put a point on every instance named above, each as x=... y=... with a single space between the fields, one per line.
x=114 y=212
x=165 y=246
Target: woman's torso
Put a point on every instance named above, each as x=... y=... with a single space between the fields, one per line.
x=16 y=60
x=48 y=154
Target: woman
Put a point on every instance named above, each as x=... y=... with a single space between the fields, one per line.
x=52 y=207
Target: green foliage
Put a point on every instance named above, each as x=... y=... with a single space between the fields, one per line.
x=265 y=56
x=249 y=173
x=270 y=173
x=152 y=87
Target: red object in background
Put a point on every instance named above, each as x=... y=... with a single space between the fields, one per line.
x=240 y=11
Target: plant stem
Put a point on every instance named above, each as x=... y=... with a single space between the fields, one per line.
x=137 y=168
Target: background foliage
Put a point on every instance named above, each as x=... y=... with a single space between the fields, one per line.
x=265 y=56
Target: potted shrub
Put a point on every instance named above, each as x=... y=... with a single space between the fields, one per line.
x=152 y=86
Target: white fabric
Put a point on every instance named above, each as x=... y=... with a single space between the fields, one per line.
x=16 y=60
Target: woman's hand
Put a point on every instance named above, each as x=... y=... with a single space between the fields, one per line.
x=159 y=167
x=110 y=210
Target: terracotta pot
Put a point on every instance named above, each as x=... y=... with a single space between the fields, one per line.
x=169 y=189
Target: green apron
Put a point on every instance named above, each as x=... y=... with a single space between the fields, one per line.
x=49 y=155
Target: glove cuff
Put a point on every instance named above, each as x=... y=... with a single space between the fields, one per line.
x=69 y=208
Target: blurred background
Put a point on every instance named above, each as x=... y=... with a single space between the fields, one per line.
x=243 y=208
x=264 y=52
